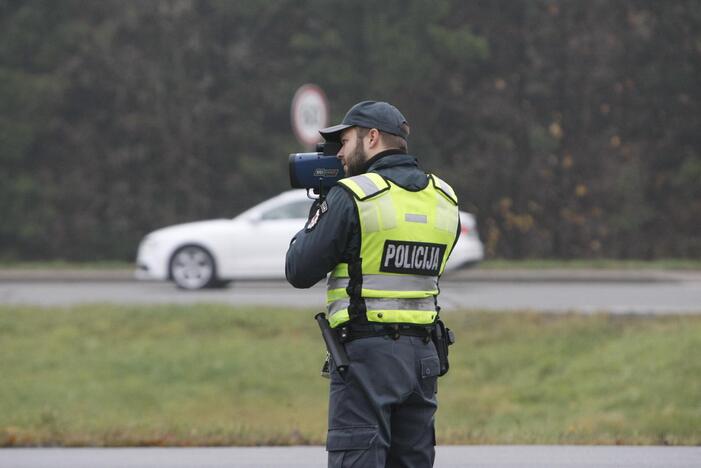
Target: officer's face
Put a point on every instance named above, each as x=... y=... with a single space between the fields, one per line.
x=352 y=152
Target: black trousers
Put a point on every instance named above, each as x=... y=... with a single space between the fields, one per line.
x=381 y=410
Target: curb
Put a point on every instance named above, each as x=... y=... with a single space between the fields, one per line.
x=572 y=276
x=61 y=275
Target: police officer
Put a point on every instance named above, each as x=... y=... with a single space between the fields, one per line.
x=384 y=233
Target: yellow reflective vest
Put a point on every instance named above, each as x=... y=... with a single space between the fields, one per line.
x=406 y=238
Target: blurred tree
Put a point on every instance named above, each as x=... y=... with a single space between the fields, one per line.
x=34 y=44
x=569 y=128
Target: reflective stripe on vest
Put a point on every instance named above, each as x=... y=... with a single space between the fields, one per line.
x=364 y=186
x=406 y=238
x=445 y=188
x=416 y=311
x=389 y=283
x=446 y=200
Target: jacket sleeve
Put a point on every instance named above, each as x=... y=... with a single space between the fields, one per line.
x=323 y=243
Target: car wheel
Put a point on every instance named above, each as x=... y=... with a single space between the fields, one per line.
x=192 y=267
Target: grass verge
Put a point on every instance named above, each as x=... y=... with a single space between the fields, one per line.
x=215 y=375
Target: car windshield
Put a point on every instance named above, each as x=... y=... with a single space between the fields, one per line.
x=291 y=210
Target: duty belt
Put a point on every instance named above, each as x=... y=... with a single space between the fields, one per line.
x=352 y=332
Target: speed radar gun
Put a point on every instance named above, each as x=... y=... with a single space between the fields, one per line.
x=318 y=171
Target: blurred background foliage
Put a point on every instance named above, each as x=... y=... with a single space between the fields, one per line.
x=571 y=129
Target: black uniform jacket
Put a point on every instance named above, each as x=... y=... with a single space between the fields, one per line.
x=332 y=233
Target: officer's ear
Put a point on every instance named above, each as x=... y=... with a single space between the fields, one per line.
x=374 y=138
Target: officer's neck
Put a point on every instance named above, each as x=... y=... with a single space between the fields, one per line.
x=380 y=155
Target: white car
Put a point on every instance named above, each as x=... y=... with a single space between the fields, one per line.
x=250 y=246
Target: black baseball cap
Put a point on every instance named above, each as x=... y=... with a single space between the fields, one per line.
x=369 y=114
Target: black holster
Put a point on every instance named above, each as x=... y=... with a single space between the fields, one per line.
x=333 y=343
x=442 y=337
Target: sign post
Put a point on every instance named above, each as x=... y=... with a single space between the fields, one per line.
x=310 y=113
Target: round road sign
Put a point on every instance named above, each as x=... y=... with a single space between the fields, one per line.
x=310 y=113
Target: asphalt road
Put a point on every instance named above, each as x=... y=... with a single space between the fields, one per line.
x=310 y=457
x=661 y=296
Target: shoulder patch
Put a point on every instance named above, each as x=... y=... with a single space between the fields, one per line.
x=311 y=224
x=314 y=220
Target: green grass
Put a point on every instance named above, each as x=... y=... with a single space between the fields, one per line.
x=599 y=264
x=216 y=375
x=538 y=378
